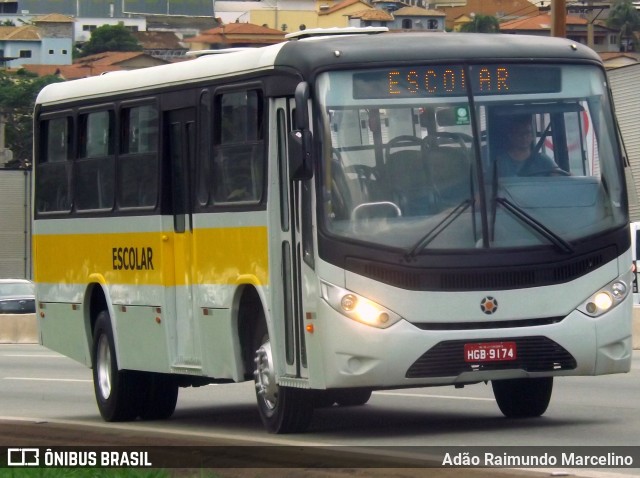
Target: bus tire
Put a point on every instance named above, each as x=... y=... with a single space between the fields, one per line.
x=159 y=396
x=281 y=409
x=323 y=398
x=117 y=391
x=523 y=397
x=352 y=397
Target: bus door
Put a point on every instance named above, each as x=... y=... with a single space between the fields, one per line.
x=292 y=194
x=180 y=128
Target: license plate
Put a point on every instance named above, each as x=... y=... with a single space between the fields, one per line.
x=490 y=352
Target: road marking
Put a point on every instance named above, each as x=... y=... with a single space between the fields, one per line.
x=34 y=355
x=420 y=395
x=37 y=379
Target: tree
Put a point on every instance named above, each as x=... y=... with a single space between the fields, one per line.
x=624 y=17
x=110 y=38
x=17 y=99
x=482 y=24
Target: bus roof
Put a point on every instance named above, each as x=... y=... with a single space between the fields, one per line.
x=309 y=56
x=184 y=72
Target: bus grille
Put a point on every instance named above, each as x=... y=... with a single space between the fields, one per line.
x=534 y=354
x=486 y=279
x=495 y=324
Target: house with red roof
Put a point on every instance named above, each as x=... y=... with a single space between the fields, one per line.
x=98 y=64
x=604 y=38
x=404 y=18
x=503 y=10
x=235 y=35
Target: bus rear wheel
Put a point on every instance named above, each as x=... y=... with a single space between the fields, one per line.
x=523 y=397
x=118 y=392
x=282 y=409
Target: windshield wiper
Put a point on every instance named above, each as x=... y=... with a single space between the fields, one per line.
x=425 y=240
x=536 y=225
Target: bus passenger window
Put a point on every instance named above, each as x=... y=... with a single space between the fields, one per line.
x=54 y=165
x=139 y=130
x=95 y=166
x=239 y=162
x=138 y=162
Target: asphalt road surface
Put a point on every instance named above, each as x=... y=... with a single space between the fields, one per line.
x=47 y=400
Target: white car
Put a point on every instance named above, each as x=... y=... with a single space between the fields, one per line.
x=17 y=296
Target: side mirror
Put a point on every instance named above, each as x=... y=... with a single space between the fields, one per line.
x=301 y=113
x=301 y=138
x=300 y=164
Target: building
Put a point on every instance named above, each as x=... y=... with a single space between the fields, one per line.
x=235 y=35
x=107 y=8
x=619 y=59
x=624 y=87
x=604 y=38
x=417 y=18
x=48 y=41
x=164 y=45
x=503 y=10
x=90 y=14
x=401 y=19
x=371 y=17
x=98 y=64
x=85 y=26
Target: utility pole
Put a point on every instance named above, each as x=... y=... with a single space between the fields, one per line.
x=590 y=19
x=558 y=18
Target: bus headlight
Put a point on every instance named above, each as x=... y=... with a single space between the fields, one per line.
x=357 y=307
x=606 y=298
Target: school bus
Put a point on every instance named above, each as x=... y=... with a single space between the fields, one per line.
x=332 y=215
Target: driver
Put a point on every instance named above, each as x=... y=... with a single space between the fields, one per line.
x=519 y=158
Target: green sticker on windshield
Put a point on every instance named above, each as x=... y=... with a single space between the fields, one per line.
x=462 y=115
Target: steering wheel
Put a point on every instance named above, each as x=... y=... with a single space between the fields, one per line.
x=557 y=171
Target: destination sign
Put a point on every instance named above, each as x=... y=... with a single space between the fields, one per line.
x=443 y=80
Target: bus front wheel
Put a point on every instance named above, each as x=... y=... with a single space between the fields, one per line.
x=117 y=391
x=282 y=409
x=523 y=397
x=352 y=397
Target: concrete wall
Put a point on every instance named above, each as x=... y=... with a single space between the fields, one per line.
x=18 y=329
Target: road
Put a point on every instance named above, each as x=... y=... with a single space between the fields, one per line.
x=40 y=385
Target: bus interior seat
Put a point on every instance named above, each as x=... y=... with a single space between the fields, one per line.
x=410 y=184
x=451 y=173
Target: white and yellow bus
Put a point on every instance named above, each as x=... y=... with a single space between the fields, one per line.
x=327 y=217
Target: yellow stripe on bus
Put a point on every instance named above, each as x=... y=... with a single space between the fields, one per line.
x=209 y=256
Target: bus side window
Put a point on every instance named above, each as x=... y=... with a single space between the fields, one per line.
x=239 y=158
x=138 y=159
x=54 y=165
x=95 y=167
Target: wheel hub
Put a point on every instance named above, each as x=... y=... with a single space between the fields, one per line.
x=264 y=375
x=103 y=366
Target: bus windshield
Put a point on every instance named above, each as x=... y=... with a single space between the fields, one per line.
x=459 y=157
